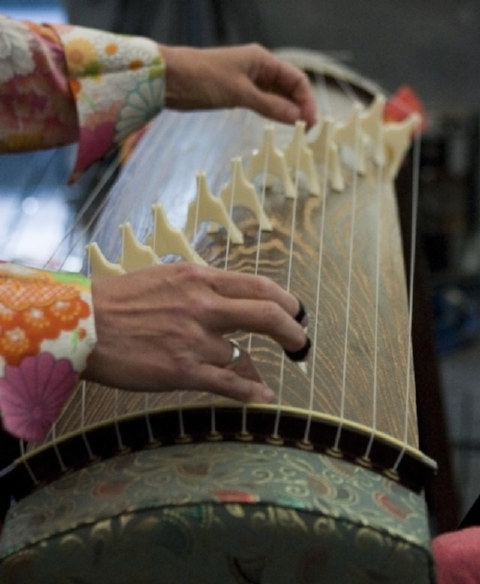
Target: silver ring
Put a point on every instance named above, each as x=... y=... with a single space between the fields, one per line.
x=236 y=355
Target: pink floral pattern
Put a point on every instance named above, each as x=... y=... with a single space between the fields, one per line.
x=46 y=333
x=36 y=106
x=32 y=394
x=60 y=84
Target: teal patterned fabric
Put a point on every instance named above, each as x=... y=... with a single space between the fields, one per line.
x=218 y=513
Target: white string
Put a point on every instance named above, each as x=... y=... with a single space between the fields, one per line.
x=213 y=422
x=92 y=198
x=116 y=418
x=82 y=420
x=141 y=171
x=150 y=186
x=148 y=421
x=347 y=89
x=413 y=243
x=349 y=285
x=306 y=437
x=263 y=191
x=137 y=170
x=57 y=451
x=288 y=284
x=27 y=465
x=379 y=181
x=181 y=422
x=124 y=192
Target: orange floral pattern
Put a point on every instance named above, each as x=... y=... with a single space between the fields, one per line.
x=35 y=307
x=42 y=313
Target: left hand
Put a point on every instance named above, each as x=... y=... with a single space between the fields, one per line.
x=243 y=76
x=163 y=328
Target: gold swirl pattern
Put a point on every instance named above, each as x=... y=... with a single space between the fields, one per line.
x=138 y=517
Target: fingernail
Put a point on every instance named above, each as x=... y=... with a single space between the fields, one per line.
x=300 y=355
x=301 y=317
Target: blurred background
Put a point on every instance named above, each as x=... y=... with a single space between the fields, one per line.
x=434 y=47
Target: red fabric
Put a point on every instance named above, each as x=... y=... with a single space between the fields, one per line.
x=403 y=103
x=457 y=556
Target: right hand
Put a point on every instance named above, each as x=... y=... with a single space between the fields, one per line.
x=241 y=76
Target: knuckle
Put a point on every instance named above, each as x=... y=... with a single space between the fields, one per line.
x=272 y=315
x=191 y=272
x=263 y=287
x=203 y=305
x=256 y=47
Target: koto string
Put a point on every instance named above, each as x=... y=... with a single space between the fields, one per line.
x=55 y=447
x=25 y=463
x=288 y=283
x=316 y=322
x=349 y=285
x=149 y=188
x=92 y=198
x=113 y=167
x=413 y=236
x=347 y=90
x=263 y=190
x=213 y=423
x=379 y=183
x=82 y=422
x=230 y=214
x=142 y=154
x=139 y=168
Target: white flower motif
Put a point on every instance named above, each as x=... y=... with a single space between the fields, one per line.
x=141 y=105
x=15 y=54
x=129 y=50
x=5 y=311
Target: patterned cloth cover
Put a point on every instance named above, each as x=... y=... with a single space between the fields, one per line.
x=218 y=513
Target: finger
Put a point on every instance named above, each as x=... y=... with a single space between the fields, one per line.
x=287 y=90
x=273 y=106
x=241 y=363
x=237 y=285
x=217 y=373
x=237 y=356
x=241 y=384
x=259 y=316
x=230 y=356
x=295 y=86
x=226 y=353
